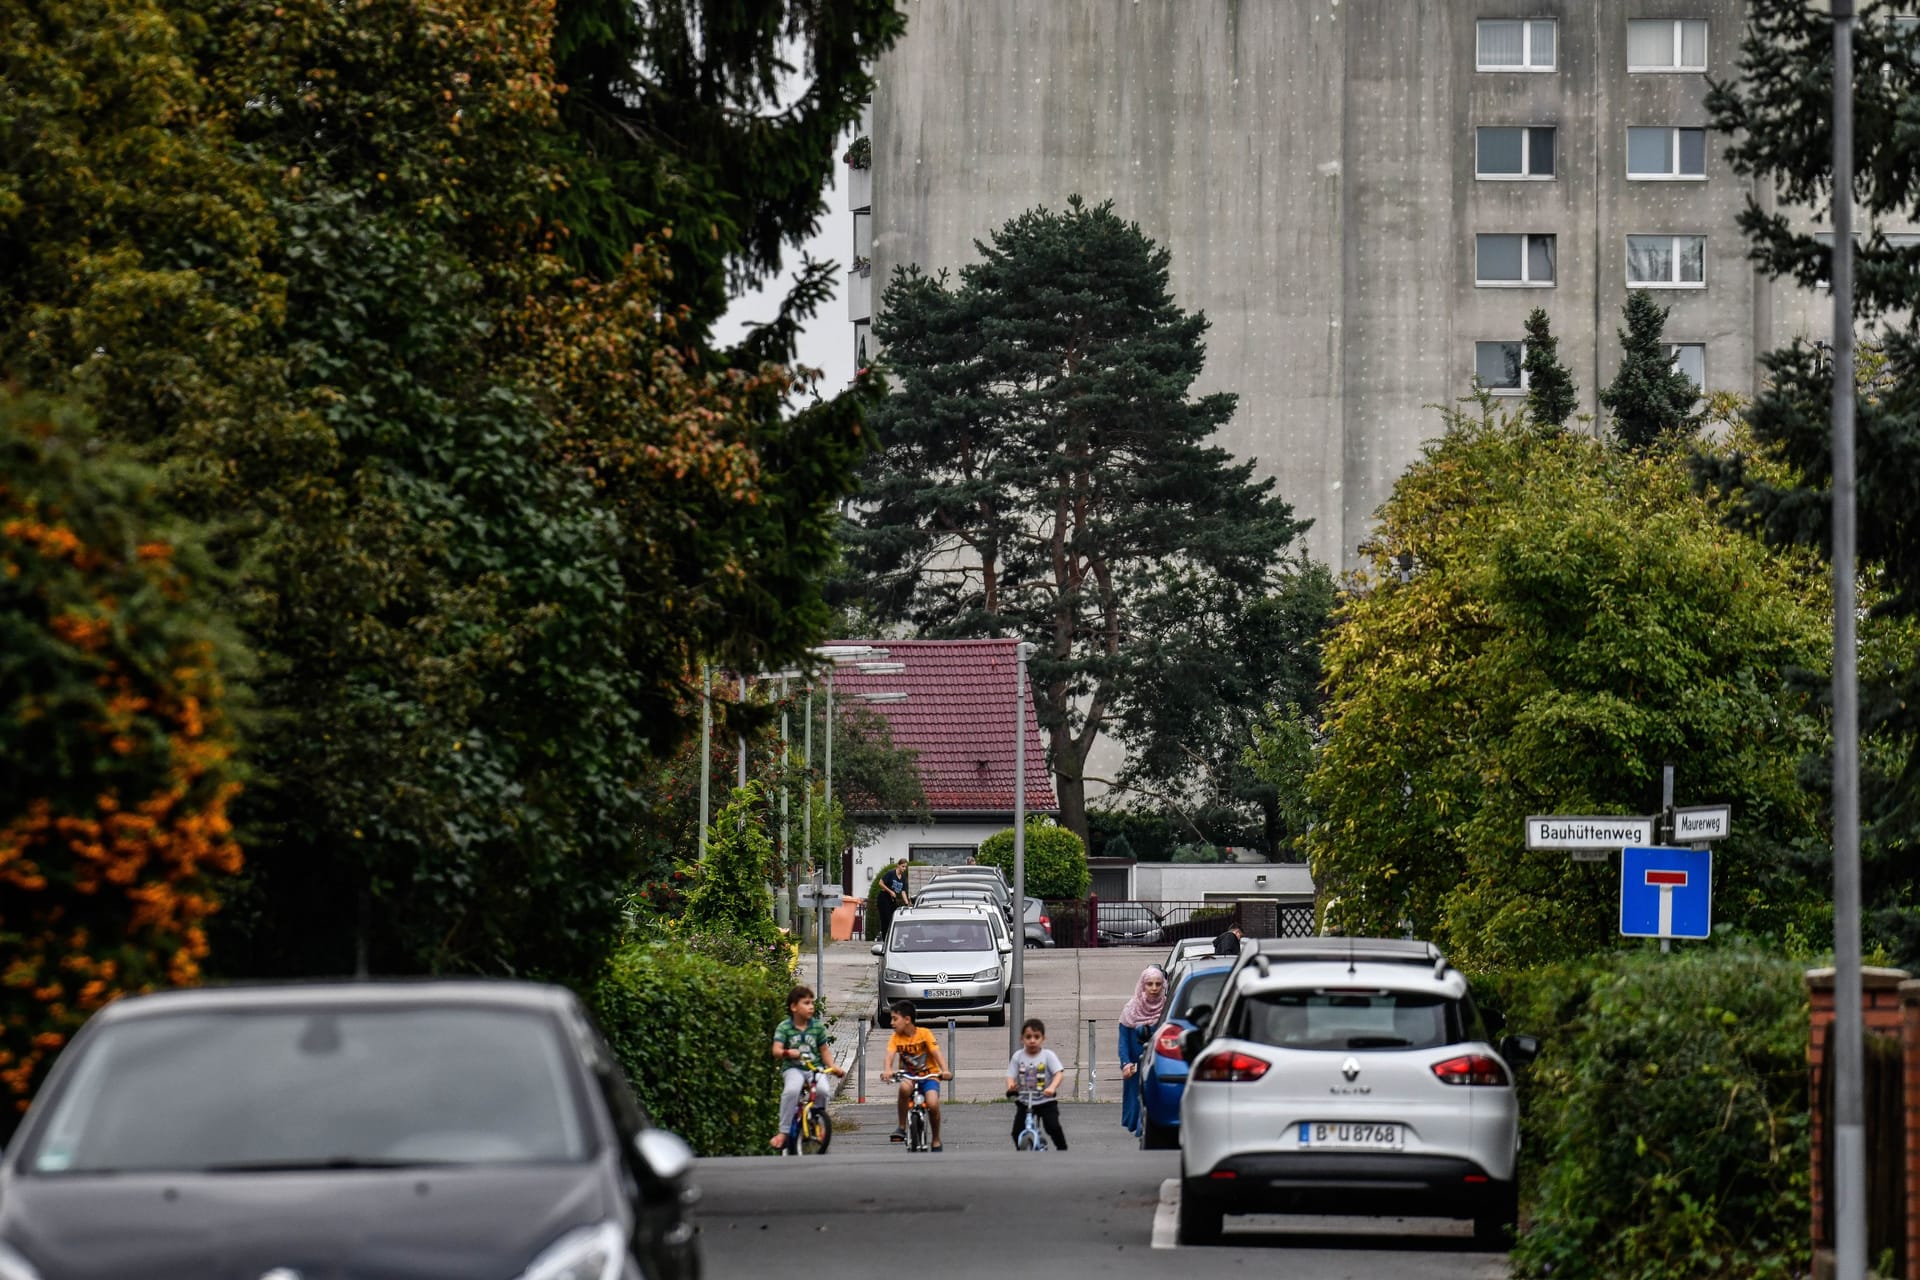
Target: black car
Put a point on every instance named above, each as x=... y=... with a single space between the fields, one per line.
x=378 y=1131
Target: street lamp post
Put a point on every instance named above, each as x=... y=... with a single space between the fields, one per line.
x=1017 y=989
x=1849 y=1192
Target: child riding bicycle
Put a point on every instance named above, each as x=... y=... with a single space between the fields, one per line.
x=1035 y=1072
x=798 y=1040
x=912 y=1051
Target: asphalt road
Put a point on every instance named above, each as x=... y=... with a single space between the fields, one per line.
x=979 y=1208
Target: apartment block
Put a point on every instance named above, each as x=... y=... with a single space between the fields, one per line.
x=1365 y=197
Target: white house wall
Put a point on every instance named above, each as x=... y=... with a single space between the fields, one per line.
x=1191 y=882
x=897 y=842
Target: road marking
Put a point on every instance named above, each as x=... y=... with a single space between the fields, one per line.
x=1166 y=1216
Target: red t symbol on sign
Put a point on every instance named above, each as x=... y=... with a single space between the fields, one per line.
x=1668 y=881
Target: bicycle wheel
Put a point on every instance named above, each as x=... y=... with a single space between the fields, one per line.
x=919 y=1131
x=816 y=1134
x=1027 y=1141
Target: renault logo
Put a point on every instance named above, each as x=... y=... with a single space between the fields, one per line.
x=1350 y=1069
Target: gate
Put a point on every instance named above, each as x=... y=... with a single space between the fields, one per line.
x=1159 y=924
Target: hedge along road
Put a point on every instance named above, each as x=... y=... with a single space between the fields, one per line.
x=981 y=1209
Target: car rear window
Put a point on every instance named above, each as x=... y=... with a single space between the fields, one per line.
x=1201 y=989
x=941 y=935
x=317 y=1088
x=1333 y=1019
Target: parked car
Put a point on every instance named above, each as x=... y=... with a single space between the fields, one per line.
x=1348 y=1075
x=985 y=879
x=1038 y=926
x=1187 y=949
x=964 y=894
x=1125 y=924
x=404 y=1129
x=1162 y=1078
x=946 y=960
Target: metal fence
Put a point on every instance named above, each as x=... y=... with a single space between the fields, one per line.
x=1135 y=922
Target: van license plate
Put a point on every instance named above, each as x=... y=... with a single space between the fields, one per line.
x=941 y=993
x=1351 y=1135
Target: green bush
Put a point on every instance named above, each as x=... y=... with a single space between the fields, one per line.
x=1056 y=860
x=692 y=1032
x=730 y=893
x=1665 y=1122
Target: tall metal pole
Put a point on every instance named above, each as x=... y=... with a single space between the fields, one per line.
x=743 y=731
x=806 y=768
x=1849 y=1193
x=706 y=749
x=832 y=835
x=786 y=850
x=1017 y=989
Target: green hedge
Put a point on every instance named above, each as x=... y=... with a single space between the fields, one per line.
x=1056 y=860
x=692 y=1032
x=1665 y=1123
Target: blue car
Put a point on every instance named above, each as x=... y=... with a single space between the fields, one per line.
x=1163 y=1069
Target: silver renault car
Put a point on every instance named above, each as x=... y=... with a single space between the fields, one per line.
x=1348 y=1075
x=947 y=960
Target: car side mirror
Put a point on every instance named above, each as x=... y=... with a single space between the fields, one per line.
x=1193 y=1042
x=664 y=1155
x=1006 y=948
x=1519 y=1050
x=879 y=948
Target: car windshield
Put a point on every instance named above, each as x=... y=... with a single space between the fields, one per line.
x=1201 y=989
x=941 y=935
x=316 y=1088
x=1340 y=1020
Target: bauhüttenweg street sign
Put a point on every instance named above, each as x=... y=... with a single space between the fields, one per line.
x=1602 y=831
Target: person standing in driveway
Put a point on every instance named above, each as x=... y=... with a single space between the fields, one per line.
x=1228 y=943
x=893 y=894
x=1137 y=1021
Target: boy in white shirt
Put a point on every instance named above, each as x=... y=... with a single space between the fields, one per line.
x=1036 y=1067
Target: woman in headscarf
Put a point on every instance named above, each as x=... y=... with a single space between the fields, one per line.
x=1137 y=1021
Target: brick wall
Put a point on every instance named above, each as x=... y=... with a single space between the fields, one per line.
x=1890 y=1006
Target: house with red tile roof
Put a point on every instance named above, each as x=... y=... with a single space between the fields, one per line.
x=958 y=716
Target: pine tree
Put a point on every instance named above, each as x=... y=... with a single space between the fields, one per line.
x=1043 y=471
x=1651 y=400
x=1777 y=111
x=1551 y=395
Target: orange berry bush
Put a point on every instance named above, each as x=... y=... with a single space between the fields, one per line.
x=116 y=752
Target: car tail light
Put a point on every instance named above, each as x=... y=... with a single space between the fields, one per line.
x=1471 y=1068
x=1232 y=1068
x=1167 y=1043
x=1047 y=925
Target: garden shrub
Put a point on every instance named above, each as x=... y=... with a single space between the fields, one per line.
x=1665 y=1123
x=692 y=1031
x=115 y=841
x=1056 y=860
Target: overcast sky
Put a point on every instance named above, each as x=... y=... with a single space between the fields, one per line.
x=827 y=343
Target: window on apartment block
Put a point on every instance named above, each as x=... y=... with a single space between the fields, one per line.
x=1690 y=358
x=1515 y=44
x=1505 y=152
x=1661 y=153
x=1497 y=367
x=1667 y=262
x=1667 y=44
x=1513 y=260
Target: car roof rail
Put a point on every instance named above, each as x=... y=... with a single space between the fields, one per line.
x=1352 y=950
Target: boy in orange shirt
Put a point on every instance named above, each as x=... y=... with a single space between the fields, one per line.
x=912 y=1051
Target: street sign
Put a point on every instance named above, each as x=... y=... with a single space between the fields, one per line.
x=1606 y=831
x=813 y=896
x=1666 y=893
x=1703 y=822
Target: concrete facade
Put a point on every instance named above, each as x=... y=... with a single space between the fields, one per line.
x=1311 y=164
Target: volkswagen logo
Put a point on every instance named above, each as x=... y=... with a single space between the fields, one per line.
x=939 y=977
x=1350 y=1069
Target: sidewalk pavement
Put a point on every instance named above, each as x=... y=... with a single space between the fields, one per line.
x=1077 y=993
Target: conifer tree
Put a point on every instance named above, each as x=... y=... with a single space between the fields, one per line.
x=1551 y=395
x=1651 y=400
x=1777 y=111
x=1042 y=469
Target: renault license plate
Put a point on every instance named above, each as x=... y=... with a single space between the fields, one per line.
x=940 y=993
x=1351 y=1135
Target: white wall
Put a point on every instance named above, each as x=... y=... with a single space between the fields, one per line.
x=895 y=842
x=1192 y=881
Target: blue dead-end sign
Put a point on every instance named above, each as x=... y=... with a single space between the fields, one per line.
x=1666 y=893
